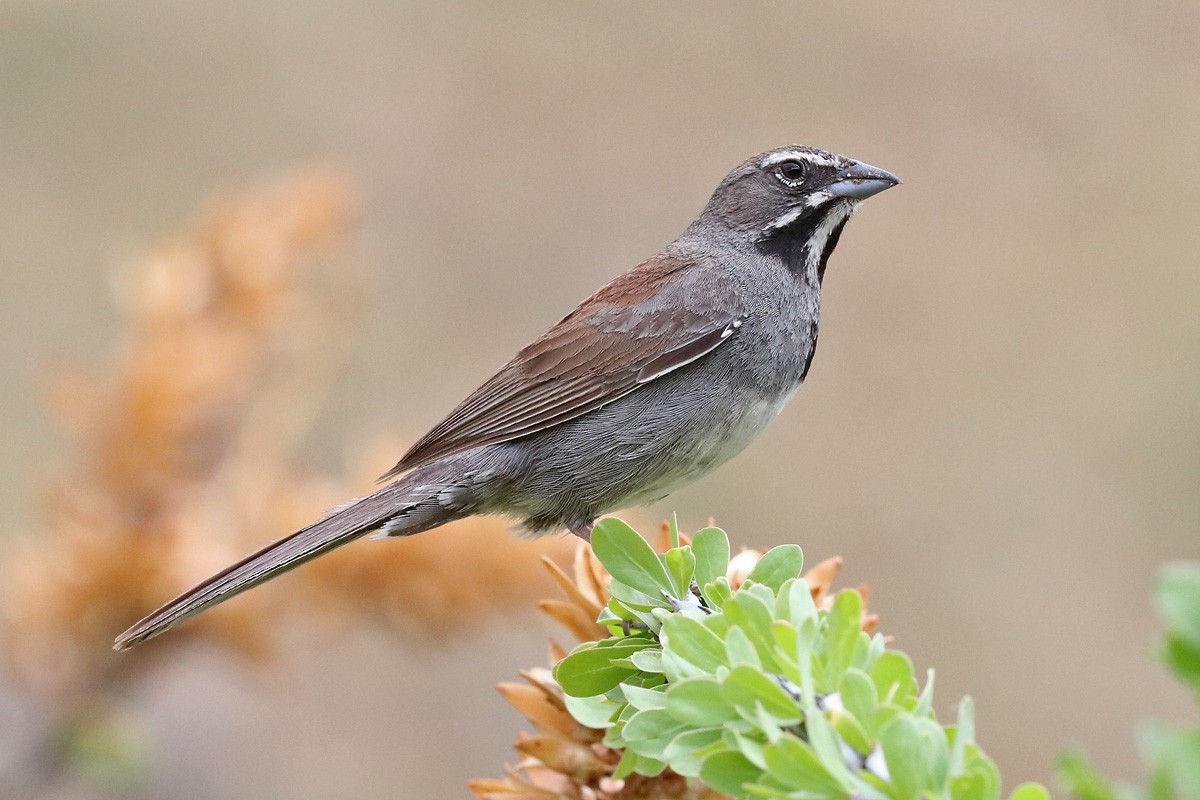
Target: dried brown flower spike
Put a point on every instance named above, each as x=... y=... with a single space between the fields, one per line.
x=180 y=458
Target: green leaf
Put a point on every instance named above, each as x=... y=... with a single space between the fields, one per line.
x=590 y=670
x=642 y=699
x=917 y=755
x=785 y=597
x=648 y=660
x=976 y=763
x=778 y=565
x=610 y=618
x=825 y=742
x=1182 y=658
x=751 y=748
x=717 y=592
x=711 y=548
x=964 y=734
x=754 y=617
x=636 y=605
x=643 y=680
x=1175 y=768
x=862 y=656
x=635 y=598
x=649 y=766
x=784 y=634
x=746 y=687
x=844 y=628
x=1082 y=779
x=698 y=701
x=893 y=677
x=613 y=736
x=628 y=613
x=859 y=698
x=629 y=559
x=924 y=706
x=634 y=641
x=796 y=765
x=1178 y=600
x=692 y=641
x=728 y=771
x=970 y=786
x=676 y=668
x=681 y=564
x=595 y=712
x=649 y=729
x=806 y=639
x=874 y=650
x=851 y=730
x=687 y=751
x=767 y=724
x=626 y=765
x=883 y=788
x=718 y=623
x=770 y=792
x=1029 y=791
x=764 y=594
x=740 y=649
x=800 y=605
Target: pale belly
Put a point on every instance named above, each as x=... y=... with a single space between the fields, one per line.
x=705 y=453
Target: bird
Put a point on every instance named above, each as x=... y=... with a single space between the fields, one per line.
x=660 y=376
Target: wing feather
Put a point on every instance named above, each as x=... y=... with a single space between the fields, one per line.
x=648 y=322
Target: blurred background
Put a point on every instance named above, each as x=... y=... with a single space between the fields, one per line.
x=344 y=216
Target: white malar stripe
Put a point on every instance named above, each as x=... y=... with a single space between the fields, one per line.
x=785 y=219
x=839 y=213
x=817 y=198
x=791 y=215
x=816 y=159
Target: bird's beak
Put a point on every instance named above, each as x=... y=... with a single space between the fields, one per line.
x=860 y=181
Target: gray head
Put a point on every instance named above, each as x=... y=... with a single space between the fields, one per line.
x=794 y=201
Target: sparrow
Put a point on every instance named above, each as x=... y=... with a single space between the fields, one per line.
x=656 y=379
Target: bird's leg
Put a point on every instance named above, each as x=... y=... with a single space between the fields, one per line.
x=583 y=530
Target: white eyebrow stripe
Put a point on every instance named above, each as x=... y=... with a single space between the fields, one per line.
x=798 y=155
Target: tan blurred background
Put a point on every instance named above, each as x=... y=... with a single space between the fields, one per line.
x=1000 y=433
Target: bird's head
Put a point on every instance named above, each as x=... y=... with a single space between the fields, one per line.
x=794 y=200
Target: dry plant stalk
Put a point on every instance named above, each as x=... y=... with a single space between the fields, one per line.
x=568 y=761
x=180 y=459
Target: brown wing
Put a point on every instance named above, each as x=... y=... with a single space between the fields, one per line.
x=653 y=319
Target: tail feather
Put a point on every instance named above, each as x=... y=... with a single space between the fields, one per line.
x=338 y=528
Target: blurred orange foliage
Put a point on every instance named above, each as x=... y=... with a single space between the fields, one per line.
x=180 y=459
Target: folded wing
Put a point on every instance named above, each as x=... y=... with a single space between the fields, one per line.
x=648 y=322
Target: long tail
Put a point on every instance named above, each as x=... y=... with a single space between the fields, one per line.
x=410 y=505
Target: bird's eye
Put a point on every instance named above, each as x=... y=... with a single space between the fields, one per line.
x=791 y=173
